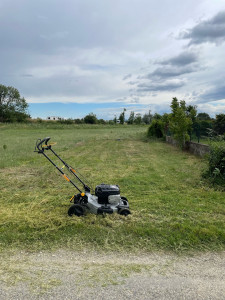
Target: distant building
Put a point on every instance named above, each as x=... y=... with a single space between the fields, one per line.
x=54 y=118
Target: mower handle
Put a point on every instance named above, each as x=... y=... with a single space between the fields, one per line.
x=40 y=142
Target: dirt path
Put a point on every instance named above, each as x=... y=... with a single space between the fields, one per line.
x=68 y=275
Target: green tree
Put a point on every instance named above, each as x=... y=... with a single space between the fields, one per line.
x=137 y=119
x=156 y=129
x=78 y=121
x=219 y=124
x=157 y=116
x=191 y=112
x=131 y=118
x=12 y=106
x=122 y=116
x=180 y=121
x=101 y=121
x=147 y=118
x=166 y=120
x=202 y=125
x=90 y=119
x=203 y=117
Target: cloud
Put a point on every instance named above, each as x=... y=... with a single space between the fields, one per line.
x=212 y=108
x=26 y=75
x=215 y=94
x=127 y=76
x=184 y=58
x=172 y=68
x=132 y=82
x=211 y=31
x=171 y=71
x=169 y=85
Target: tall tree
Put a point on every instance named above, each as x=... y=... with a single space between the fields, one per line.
x=137 y=119
x=122 y=116
x=166 y=121
x=147 y=118
x=180 y=122
x=203 y=125
x=131 y=118
x=191 y=112
x=219 y=124
x=12 y=106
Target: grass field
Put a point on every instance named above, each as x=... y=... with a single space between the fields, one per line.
x=172 y=208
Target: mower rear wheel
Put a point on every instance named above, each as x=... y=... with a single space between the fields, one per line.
x=76 y=209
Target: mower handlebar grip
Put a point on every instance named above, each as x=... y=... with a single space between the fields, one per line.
x=40 y=142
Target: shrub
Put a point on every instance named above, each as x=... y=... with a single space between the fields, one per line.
x=156 y=129
x=101 y=121
x=79 y=121
x=216 y=169
x=39 y=120
x=66 y=121
x=90 y=119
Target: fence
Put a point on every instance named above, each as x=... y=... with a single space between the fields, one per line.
x=192 y=147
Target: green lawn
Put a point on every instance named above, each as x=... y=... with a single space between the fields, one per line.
x=172 y=208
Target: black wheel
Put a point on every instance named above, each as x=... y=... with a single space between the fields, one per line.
x=76 y=209
x=124 y=212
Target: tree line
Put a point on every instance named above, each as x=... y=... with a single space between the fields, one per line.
x=184 y=123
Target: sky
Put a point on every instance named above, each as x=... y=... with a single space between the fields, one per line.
x=68 y=58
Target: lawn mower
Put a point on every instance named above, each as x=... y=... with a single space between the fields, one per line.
x=105 y=199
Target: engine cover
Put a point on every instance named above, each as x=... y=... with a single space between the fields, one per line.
x=114 y=199
x=103 y=191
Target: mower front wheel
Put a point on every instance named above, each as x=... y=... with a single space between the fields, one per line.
x=124 y=212
x=77 y=210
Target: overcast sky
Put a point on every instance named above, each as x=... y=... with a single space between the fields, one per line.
x=106 y=55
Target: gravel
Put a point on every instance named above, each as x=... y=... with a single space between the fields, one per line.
x=66 y=274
